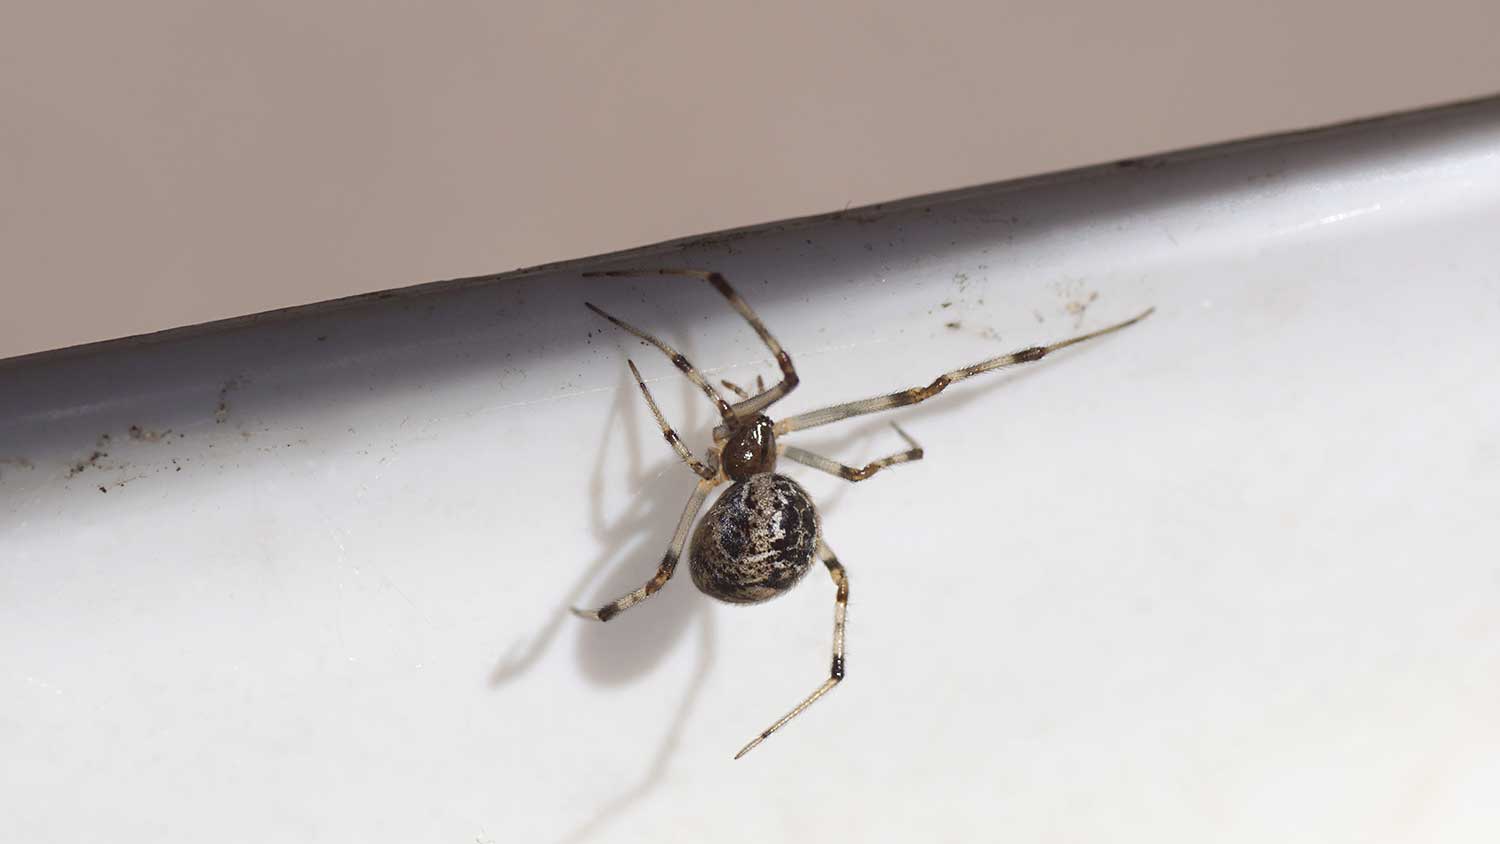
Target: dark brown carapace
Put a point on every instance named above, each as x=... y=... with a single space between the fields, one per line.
x=751 y=449
x=763 y=533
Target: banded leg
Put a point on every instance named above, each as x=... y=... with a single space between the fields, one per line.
x=760 y=387
x=681 y=362
x=705 y=472
x=839 y=412
x=668 y=561
x=849 y=473
x=765 y=398
x=836 y=670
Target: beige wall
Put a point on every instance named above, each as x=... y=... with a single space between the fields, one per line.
x=166 y=163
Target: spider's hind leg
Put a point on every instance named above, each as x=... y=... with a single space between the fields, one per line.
x=836 y=669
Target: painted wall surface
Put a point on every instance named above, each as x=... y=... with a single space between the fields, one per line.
x=165 y=162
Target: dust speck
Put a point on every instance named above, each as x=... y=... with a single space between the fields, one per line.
x=221 y=412
x=85 y=464
x=144 y=435
x=1078 y=306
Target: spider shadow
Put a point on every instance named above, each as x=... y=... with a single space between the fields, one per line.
x=633 y=541
x=652 y=777
x=635 y=642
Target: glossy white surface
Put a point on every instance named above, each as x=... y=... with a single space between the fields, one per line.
x=1228 y=575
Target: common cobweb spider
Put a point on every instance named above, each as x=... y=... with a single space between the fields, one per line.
x=761 y=535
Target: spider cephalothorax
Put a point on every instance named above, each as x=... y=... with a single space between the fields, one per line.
x=762 y=534
x=750 y=450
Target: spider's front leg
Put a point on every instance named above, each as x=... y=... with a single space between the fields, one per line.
x=668 y=561
x=746 y=407
x=836 y=670
x=706 y=471
x=915 y=395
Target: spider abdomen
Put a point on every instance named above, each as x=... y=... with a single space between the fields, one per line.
x=756 y=541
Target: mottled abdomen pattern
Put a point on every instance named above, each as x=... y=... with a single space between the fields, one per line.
x=756 y=542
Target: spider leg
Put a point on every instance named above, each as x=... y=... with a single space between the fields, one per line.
x=849 y=473
x=704 y=471
x=765 y=398
x=682 y=363
x=839 y=412
x=836 y=670
x=760 y=387
x=668 y=561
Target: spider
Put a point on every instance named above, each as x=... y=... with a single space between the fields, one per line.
x=762 y=534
